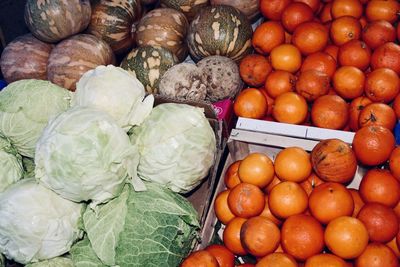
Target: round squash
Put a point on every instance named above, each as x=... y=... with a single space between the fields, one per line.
x=164 y=27
x=250 y=7
x=114 y=22
x=25 y=58
x=52 y=21
x=220 y=30
x=188 y=7
x=149 y=63
x=74 y=56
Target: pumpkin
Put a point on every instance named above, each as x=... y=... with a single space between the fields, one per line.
x=114 y=22
x=164 y=27
x=149 y=63
x=188 y=7
x=52 y=21
x=250 y=7
x=74 y=56
x=25 y=58
x=334 y=161
x=220 y=30
x=222 y=76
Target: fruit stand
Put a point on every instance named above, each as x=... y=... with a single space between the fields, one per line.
x=219 y=133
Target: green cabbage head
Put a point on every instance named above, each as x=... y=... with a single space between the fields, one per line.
x=84 y=155
x=36 y=223
x=116 y=91
x=11 y=169
x=54 y=262
x=25 y=108
x=151 y=228
x=177 y=146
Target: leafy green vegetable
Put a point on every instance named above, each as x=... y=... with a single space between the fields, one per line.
x=11 y=169
x=83 y=255
x=115 y=91
x=29 y=167
x=25 y=108
x=36 y=223
x=84 y=155
x=55 y=262
x=156 y=227
x=177 y=146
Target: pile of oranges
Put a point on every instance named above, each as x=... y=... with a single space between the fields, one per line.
x=332 y=64
x=295 y=209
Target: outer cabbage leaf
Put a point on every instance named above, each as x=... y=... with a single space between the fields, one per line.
x=55 y=262
x=84 y=155
x=36 y=223
x=116 y=91
x=83 y=255
x=25 y=108
x=11 y=169
x=177 y=146
x=156 y=227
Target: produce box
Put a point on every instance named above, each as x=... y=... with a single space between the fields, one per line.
x=242 y=142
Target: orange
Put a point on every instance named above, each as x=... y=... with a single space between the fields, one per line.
x=354 y=53
x=277 y=259
x=266 y=213
x=223 y=255
x=325 y=260
x=221 y=207
x=311 y=183
x=382 y=10
x=345 y=29
x=246 y=200
x=260 y=236
x=373 y=145
x=256 y=169
x=279 y=82
x=312 y=84
x=231 y=236
x=346 y=237
x=293 y=164
x=342 y=8
x=268 y=35
x=394 y=163
x=302 y=236
x=379 y=114
x=295 y=14
x=253 y=69
x=250 y=103
x=358 y=202
x=381 y=222
x=290 y=107
x=382 y=85
x=329 y=201
x=310 y=37
x=286 y=199
x=348 y=82
x=200 y=258
x=272 y=9
x=320 y=61
x=286 y=57
x=377 y=255
x=231 y=177
x=379 y=185
x=330 y=111
x=355 y=108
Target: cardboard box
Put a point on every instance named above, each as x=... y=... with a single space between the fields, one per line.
x=241 y=143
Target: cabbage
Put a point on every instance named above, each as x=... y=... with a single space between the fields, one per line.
x=55 y=262
x=84 y=155
x=11 y=164
x=156 y=227
x=36 y=223
x=83 y=255
x=115 y=91
x=177 y=146
x=25 y=108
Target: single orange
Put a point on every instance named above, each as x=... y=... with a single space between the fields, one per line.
x=246 y=200
x=221 y=207
x=223 y=255
x=231 y=236
x=256 y=169
x=325 y=260
x=199 y=258
x=377 y=255
x=286 y=57
x=293 y=164
x=250 y=103
x=290 y=107
x=277 y=259
x=231 y=177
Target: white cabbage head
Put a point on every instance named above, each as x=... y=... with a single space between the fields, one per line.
x=116 y=91
x=84 y=155
x=11 y=169
x=177 y=146
x=36 y=223
x=25 y=108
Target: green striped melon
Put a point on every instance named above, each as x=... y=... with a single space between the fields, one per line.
x=114 y=22
x=220 y=30
x=188 y=7
x=52 y=21
x=149 y=63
